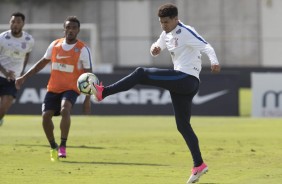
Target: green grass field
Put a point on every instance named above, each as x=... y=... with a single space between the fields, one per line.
x=245 y=102
x=143 y=150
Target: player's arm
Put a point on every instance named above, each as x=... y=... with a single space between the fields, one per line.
x=209 y=51
x=87 y=102
x=10 y=75
x=33 y=70
x=199 y=43
x=3 y=70
x=25 y=62
x=31 y=45
x=158 y=46
x=37 y=66
x=86 y=60
x=155 y=50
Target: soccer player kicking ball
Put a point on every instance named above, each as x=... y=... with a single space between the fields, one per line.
x=185 y=46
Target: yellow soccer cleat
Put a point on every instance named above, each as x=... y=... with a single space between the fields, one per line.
x=54 y=155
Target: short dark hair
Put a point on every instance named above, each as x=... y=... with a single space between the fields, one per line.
x=168 y=10
x=72 y=19
x=19 y=14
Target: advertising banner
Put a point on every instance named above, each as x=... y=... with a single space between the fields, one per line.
x=218 y=96
x=267 y=94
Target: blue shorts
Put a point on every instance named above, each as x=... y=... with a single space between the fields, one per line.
x=52 y=101
x=7 y=88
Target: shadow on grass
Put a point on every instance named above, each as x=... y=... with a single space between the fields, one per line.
x=112 y=163
x=91 y=147
x=81 y=146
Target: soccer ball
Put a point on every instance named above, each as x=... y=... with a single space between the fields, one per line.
x=85 y=83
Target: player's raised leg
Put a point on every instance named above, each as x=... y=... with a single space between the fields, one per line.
x=164 y=78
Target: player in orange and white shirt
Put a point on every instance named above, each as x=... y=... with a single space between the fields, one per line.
x=69 y=58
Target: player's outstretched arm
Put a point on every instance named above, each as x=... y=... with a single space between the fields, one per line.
x=33 y=70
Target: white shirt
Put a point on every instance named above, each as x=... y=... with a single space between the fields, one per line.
x=13 y=51
x=185 y=46
x=84 y=58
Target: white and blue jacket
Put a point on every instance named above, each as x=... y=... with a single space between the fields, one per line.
x=185 y=46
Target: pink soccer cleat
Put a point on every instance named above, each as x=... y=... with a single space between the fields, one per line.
x=197 y=172
x=99 y=91
x=62 y=152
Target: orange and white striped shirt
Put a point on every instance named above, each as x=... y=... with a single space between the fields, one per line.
x=68 y=64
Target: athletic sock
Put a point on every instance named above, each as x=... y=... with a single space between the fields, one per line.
x=63 y=142
x=53 y=144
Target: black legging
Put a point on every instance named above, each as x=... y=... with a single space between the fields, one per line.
x=182 y=89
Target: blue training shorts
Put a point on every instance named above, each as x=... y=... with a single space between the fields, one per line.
x=7 y=87
x=52 y=101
